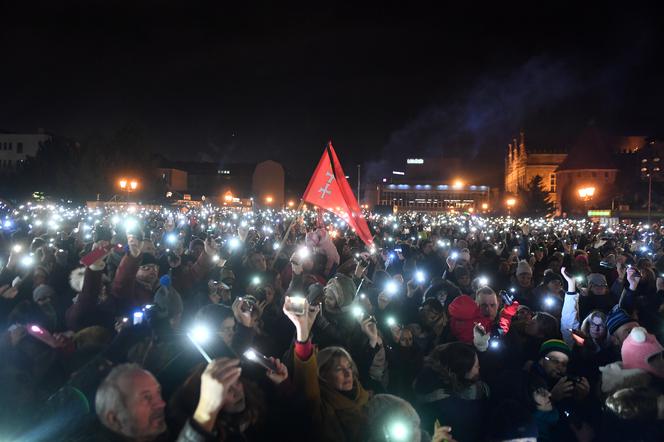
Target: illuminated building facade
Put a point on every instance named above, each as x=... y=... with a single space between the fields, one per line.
x=433 y=197
x=522 y=165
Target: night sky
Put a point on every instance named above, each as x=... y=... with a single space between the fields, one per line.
x=384 y=81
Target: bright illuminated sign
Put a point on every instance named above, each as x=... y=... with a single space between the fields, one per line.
x=396 y=172
x=414 y=161
x=599 y=213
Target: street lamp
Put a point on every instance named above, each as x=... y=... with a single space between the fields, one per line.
x=649 y=167
x=128 y=185
x=586 y=194
x=269 y=199
x=458 y=184
x=511 y=202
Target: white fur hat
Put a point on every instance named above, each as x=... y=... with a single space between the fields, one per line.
x=76 y=278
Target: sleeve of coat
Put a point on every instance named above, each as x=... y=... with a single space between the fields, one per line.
x=125 y=277
x=306 y=382
x=569 y=318
x=184 y=279
x=86 y=303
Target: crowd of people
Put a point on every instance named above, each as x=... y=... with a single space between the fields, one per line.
x=207 y=324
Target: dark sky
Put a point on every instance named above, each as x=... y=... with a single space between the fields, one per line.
x=385 y=80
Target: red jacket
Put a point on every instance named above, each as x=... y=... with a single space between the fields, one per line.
x=465 y=313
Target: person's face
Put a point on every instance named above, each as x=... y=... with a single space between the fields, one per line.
x=227 y=330
x=148 y=247
x=329 y=300
x=340 y=376
x=542 y=398
x=523 y=315
x=488 y=303
x=257 y=262
x=474 y=373
x=147 y=273
x=504 y=267
x=532 y=327
x=599 y=290
x=44 y=301
x=555 y=265
x=622 y=332
x=597 y=328
x=427 y=249
x=145 y=406
x=234 y=400
x=524 y=279
x=464 y=280
x=539 y=255
x=554 y=286
x=406 y=339
x=555 y=364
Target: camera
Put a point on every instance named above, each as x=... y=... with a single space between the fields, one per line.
x=248 y=303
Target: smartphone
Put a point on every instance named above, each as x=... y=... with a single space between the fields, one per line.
x=260 y=359
x=138 y=317
x=578 y=336
x=296 y=305
x=41 y=334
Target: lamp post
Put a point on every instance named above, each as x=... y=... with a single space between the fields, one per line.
x=510 y=202
x=649 y=167
x=586 y=194
x=128 y=186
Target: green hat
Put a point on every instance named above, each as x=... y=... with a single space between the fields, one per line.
x=554 y=345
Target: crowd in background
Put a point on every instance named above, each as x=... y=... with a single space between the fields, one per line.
x=199 y=324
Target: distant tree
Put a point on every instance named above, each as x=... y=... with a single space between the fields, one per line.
x=536 y=201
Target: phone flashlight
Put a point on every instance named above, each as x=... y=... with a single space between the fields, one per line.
x=27 y=261
x=391 y=288
x=233 y=243
x=138 y=317
x=17 y=248
x=454 y=255
x=390 y=321
x=494 y=344
x=200 y=334
x=260 y=359
x=357 y=311
x=483 y=280
x=171 y=238
x=419 y=276
x=303 y=252
x=256 y=280
x=549 y=301
x=397 y=431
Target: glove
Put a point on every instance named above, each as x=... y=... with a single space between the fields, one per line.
x=480 y=338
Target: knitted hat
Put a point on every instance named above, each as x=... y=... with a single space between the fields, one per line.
x=551 y=276
x=554 y=345
x=638 y=347
x=343 y=289
x=42 y=291
x=168 y=299
x=148 y=258
x=616 y=318
x=523 y=267
x=597 y=279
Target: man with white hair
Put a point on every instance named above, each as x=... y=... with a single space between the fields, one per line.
x=129 y=403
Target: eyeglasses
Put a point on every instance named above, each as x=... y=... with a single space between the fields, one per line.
x=555 y=361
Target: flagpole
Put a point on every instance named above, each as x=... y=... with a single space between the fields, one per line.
x=290 y=226
x=358 y=185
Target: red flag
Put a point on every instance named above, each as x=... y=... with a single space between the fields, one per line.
x=329 y=190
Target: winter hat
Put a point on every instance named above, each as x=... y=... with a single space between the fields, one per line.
x=581 y=259
x=148 y=258
x=168 y=299
x=616 y=318
x=523 y=267
x=343 y=289
x=76 y=278
x=638 y=348
x=554 y=345
x=597 y=279
x=42 y=291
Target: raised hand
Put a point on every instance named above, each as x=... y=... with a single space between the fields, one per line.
x=571 y=282
x=280 y=375
x=218 y=376
x=303 y=322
